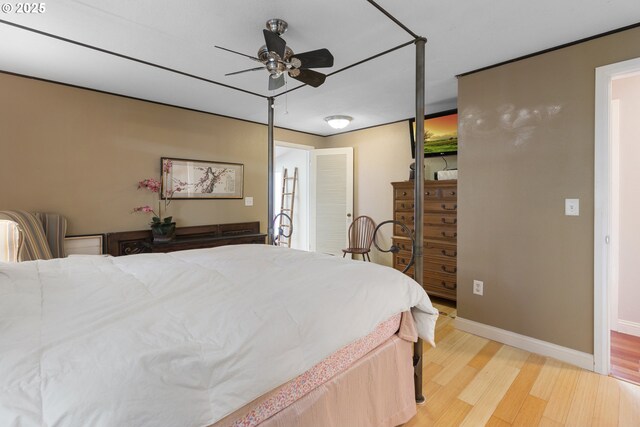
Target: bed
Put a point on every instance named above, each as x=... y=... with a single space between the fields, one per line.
x=235 y=335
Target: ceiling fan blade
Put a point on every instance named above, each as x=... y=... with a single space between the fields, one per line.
x=276 y=83
x=274 y=43
x=310 y=77
x=320 y=58
x=238 y=53
x=244 y=71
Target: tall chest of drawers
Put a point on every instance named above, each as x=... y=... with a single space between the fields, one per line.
x=440 y=234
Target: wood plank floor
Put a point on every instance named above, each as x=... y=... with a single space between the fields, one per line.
x=625 y=357
x=472 y=381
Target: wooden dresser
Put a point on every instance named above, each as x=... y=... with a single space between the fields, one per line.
x=195 y=237
x=440 y=234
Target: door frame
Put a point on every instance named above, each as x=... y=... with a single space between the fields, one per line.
x=602 y=209
x=307 y=207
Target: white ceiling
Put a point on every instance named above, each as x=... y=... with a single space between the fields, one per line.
x=462 y=36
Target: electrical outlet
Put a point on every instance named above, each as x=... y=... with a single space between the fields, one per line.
x=248 y=201
x=478 y=287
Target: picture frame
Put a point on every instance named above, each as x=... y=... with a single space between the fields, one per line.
x=190 y=179
x=441 y=134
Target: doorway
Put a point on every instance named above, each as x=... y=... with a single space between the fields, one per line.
x=617 y=221
x=291 y=157
x=323 y=200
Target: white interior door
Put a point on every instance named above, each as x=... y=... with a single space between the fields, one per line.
x=603 y=207
x=331 y=199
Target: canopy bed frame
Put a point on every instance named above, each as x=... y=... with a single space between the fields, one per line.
x=419 y=43
x=418 y=236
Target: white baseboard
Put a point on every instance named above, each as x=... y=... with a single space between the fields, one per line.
x=533 y=345
x=630 y=328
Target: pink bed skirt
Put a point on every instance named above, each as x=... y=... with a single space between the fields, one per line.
x=377 y=391
x=370 y=389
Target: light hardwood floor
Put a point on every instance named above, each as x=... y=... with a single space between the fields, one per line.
x=472 y=381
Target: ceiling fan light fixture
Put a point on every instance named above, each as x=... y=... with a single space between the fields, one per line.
x=338 y=122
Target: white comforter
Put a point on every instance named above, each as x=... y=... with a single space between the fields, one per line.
x=180 y=339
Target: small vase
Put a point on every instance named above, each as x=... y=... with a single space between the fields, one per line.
x=163 y=233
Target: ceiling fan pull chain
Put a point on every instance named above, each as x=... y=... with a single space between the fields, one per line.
x=286 y=96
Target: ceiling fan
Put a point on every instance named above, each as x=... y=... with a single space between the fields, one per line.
x=277 y=58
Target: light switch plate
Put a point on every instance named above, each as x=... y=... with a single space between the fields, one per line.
x=248 y=201
x=572 y=207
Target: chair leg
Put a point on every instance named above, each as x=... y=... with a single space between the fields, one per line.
x=368 y=257
x=344 y=254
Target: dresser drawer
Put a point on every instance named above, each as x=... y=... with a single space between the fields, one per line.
x=440 y=265
x=443 y=225
x=444 y=218
x=401 y=259
x=448 y=233
x=446 y=284
x=430 y=248
x=406 y=217
x=441 y=206
x=403 y=194
x=441 y=190
x=404 y=205
x=404 y=244
x=443 y=266
x=438 y=249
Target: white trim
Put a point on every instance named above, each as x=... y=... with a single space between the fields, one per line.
x=629 y=328
x=602 y=206
x=292 y=145
x=533 y=345
x=614 y=213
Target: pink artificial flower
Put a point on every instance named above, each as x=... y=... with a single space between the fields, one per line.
x=151 y=184
x=166 y=166
x=145 y=209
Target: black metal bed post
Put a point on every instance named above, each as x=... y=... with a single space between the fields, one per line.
x=270 y=182
x=418 y=198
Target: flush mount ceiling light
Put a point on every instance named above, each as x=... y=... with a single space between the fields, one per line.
x=338 y=122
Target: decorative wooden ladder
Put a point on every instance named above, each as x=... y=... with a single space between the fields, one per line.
x=286 y=206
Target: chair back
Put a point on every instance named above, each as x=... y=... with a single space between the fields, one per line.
x=39 y=235
x=9 y=241
x=55 y=230
x=361 y=232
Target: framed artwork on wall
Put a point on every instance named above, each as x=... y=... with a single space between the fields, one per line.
x=201 y=179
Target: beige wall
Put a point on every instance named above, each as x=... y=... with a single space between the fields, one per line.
x=526 y=144
x=381 y=155
x=627 y=91
x=81 y=153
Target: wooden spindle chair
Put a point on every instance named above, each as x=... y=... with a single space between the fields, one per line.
x=360 y=237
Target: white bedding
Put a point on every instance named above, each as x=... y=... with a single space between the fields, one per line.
x=180 y=339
